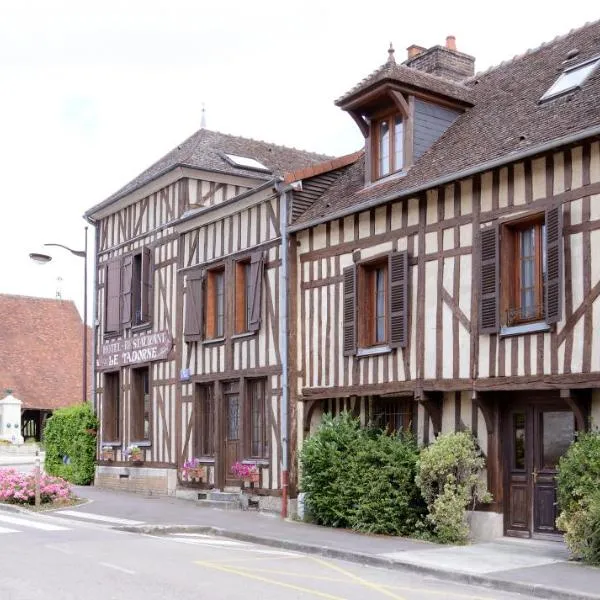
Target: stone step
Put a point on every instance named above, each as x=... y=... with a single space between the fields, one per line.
x=223 y=496
x=223 y=505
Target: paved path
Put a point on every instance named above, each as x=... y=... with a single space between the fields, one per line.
x=530 y=567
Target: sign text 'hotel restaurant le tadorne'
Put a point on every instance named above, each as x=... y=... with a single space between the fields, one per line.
x=141 y=349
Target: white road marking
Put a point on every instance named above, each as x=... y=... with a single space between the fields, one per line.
x=199 y=539
x=95 y=517
x=117 y=568
x=6 y=530
x=33 y=524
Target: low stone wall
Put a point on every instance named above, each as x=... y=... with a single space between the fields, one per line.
x=20 y=450
x=143 y=480
x=485 y=526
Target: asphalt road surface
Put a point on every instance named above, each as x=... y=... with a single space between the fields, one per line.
x=51 y=557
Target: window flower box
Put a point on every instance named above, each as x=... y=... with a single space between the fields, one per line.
x=248 y=473
x=107 y=454
x=192 y=471
x=135 y=454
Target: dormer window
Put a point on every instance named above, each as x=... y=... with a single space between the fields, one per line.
x=388 y=145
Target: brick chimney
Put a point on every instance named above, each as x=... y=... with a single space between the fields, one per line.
x=443 y=61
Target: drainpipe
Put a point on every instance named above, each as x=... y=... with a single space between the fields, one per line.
x=94 y=223
x=284 y=340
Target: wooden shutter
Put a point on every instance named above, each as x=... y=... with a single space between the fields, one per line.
x=147 y=285
x=112 y=323
x=126 y=280
x=194 y=306
x=398 y=266
x=350 y=310
x=256 y=277
x=489 y=281
x=554 y=278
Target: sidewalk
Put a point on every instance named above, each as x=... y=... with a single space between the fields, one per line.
x=534 y=568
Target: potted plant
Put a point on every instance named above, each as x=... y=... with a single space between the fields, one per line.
x=246 y=472
x=193 y=471
x=135 y=454
x=107 y=453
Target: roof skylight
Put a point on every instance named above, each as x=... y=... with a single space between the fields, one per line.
x=571 y=78
x=246 y=163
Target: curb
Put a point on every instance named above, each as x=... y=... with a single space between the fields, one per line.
x=532 y=589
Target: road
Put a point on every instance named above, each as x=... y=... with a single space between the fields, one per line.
x=62 y=557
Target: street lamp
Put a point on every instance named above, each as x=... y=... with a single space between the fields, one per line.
x=46 y=258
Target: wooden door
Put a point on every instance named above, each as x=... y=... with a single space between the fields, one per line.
x=554 y=430
x=537 y=436
x=233 y=426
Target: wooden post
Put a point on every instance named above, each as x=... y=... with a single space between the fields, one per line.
x=37 y=476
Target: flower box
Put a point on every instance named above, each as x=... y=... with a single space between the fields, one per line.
x=135 y=454
x=193 y=474
x=107 y=454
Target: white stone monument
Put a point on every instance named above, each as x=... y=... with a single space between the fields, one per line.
x=10 y=419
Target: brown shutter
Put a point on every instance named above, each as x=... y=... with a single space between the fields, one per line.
x=126 y=280
x=398 y=265
x=147 y=283
x=489 y=284
x=554 y=279
x=112 y=322
x=350 y=310
x=256 y=277
x=194 y=306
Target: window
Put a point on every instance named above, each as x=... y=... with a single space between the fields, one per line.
x=521 y=274
x=141 y=405
x=380 y=288
x=243 y=296
x=525 y=244
x=258 y=418
x=215 y=304
x=245 y=162
x=128 y=291
x=372 y=284
x=388 y=145
x=209 y=307
x=571 y=78
x=111 y=408
x=205 y=421
x=393 y=414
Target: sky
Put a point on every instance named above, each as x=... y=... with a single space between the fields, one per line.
x=94 y=93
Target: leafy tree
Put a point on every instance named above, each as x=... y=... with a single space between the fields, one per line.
x=70 y=441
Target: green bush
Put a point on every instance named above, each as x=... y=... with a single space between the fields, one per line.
x=449 y=474
x=579 y=497
x=70 y=442
x=361 y=478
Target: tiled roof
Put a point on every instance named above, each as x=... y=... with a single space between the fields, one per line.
x=395 y=73
x=506 y=119
x=41 y=351
x=205 y=149
x=324 y=167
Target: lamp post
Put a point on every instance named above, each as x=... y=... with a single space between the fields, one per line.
x=46 y=258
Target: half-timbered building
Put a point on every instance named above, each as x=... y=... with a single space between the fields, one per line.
x=187 y=345
x=448 y=279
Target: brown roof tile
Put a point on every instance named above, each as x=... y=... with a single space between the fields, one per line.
x=205 y=149
x=506 y=119
x=328 y=165
x=395 y=73
x=41 y=351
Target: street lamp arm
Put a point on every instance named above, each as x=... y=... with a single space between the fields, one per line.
x=80 y=253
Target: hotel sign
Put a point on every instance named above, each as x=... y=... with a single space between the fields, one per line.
x=140 y=349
